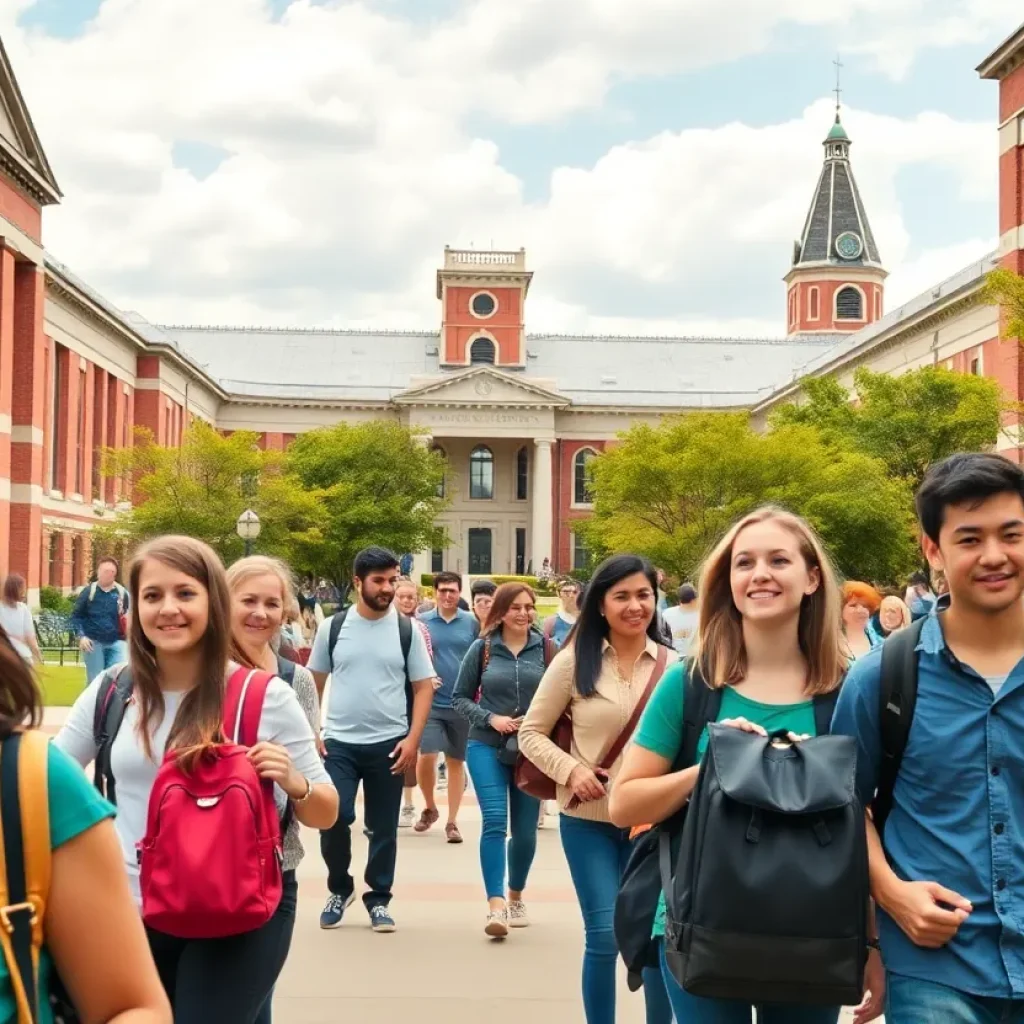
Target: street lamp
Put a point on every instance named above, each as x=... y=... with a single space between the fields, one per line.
x=248 y=528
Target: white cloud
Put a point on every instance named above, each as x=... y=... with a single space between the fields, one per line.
x=350 y=164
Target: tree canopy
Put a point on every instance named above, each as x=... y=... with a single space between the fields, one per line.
x=908 y=422
x=670 y=492
x=1004 y=287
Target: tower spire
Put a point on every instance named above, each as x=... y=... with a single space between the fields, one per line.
x=838 y=90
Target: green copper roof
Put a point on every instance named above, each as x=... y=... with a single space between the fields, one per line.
x=837 y=132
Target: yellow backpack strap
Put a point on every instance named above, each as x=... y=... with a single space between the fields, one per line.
x=26 y=858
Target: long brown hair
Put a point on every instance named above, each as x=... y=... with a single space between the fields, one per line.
x=21 y=703
x=14 y=589
x=503 y=598
x=197 y=725
x=249 y=568
x=720 y=650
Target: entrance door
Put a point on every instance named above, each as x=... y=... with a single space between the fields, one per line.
x=479 y=552
x=520 y=551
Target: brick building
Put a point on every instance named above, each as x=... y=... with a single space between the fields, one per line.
x=517 y=414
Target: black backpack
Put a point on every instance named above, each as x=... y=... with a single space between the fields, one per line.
x=769 y=899
x=641 y=884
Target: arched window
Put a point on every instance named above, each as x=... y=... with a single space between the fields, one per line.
x=441 y=487
x=482 y=352
x=581 y=494
x=481 y=473
x=522 y=474
x=849 y=304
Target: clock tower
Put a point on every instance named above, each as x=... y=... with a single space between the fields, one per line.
x=836 y=282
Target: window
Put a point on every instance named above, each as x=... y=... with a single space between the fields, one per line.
x=83 y=378
x=522 y=474
x=437 y=550
x=878 y=305
x=441 y=486
x=54 y=577
x=77 y=561
x=483 y=305
x=849 y=304
x=581 y=493
x=976 y=367
x=520 y=550
x=482 y=352
x=814 y=303
x=55 y=408
x=481 y=474
x=581 y=557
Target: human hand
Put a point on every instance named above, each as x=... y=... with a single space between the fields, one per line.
x=503 y=724
x=917 y=907
x=404 y=755
x=274 y=763
x=321 y=747
x=585 y=784
x=873 y=1003
x=744 y=726
x=437 y=682
x=85 y=645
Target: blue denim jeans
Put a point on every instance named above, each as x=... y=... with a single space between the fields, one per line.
x=104 y=656
x=505 y=808
x=911 y=1001
x=698 y=1010
x=597 y=852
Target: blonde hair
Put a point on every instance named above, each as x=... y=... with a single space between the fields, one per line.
x=897 y=602
x=720 y=652
x=249 y=568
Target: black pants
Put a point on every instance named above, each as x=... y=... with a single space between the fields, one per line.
x=348 y=764
x=225 y=981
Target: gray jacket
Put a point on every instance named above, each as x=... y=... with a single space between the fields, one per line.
x=506 y=686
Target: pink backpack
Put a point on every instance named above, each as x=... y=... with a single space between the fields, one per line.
x=211 y=859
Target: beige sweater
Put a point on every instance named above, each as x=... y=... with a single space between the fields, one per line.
x=596 y=721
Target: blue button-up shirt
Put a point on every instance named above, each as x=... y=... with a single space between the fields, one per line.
x=958 y=811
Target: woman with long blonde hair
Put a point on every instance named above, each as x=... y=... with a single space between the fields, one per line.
x=769 y=640
x=178 y=672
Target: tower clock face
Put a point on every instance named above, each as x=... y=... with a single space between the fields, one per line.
x=849 y=246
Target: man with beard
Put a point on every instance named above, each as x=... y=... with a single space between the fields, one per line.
x=377 y=707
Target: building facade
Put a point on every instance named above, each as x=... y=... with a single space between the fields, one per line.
x=518 y=415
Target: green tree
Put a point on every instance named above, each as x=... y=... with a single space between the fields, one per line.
x=670 y=491
x=1005 y=288
x=908 y=422
x=378 y=484
x=201 y=488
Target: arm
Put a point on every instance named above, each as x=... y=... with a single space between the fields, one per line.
x=75 y=737
x=78 y=615
x=319 y=663
x=421 y=674
x=553 y=696
x=111 y=977
x=466 y=686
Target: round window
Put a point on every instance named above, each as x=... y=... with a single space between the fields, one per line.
x=483 y=304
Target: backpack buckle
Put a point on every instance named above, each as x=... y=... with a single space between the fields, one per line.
x=18 y=908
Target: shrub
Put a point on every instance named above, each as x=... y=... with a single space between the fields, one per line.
x=53 y=599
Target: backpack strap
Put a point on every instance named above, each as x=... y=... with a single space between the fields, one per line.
x=550 y=650
x=549 y=626
x=634 y=719
x=701 y=704
x=485 y=660
x=243 y=705
x=337 y=621
x=25 y=880
x=897 y=697
x=824 y=709
x=112 y=700
x=286 y=670
x=405 y=639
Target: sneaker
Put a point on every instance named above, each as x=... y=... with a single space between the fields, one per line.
x=334 y=910
x=381 y=920
x=497 y=924
x=517 y=916
x=452 y=833
x=427 y=818
x=408 y=817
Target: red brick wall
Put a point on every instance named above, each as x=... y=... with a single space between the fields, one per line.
x=148 y=412
x=564 y=457
x=799 y=307
x=1011 y=94
x=1011 y=189
x=459 y=325
x=21 y=211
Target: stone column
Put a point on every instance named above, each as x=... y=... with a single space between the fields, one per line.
x=541 y=498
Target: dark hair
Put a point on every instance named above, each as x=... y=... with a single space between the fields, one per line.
x=14 y=588
x=570 y=584
x=488 y=587
x=919 y=579
x=591 y=629
x=109 y=560
x=687 y=594
x=448 y=577
x=503 y=598
x=968 y=478
x=374 y=559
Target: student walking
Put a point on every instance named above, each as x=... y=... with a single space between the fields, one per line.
x=769 y=643
x=381 y=688
x=860 y=602
x=558 y=626
x=177 y=699
x=497 y=681
x=681 y=619
x=16 y=620
x=98 y=618
x=945 y=843
x=601 y=679
x=452 y=631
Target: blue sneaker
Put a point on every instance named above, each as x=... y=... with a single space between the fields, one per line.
x=334 y=910
x=381 y=920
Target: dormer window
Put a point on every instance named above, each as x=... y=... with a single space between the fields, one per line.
x=481 y=352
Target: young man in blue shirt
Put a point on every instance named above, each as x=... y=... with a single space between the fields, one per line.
x=949 y=885
x=452 y=632
x=96 y=620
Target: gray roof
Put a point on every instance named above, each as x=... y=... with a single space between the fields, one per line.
x=375 y=366
x=835 y=210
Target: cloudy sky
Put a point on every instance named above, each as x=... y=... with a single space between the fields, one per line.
x=304 y=162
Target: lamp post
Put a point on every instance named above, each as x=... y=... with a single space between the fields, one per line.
x=248 y=528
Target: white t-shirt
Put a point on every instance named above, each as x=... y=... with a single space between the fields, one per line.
x=283 y=722
x=17 y=622
x=683 y=623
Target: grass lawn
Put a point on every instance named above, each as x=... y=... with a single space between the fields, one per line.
x=546 y=606
x=61 y=684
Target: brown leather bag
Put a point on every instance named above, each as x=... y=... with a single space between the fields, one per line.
x=530 y=779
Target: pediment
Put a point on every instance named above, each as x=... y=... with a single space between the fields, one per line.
x=482 y=386
x=21 y=151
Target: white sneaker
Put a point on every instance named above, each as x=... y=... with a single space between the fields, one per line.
x=408 y=817
x=497 y=924
x=517 y=916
